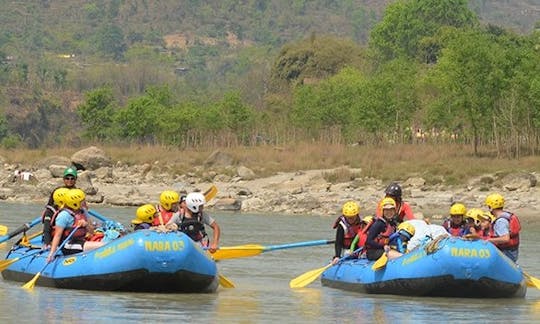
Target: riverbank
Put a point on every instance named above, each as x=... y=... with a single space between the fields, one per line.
x=241 y=189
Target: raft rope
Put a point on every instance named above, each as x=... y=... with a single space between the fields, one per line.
x=434 y=246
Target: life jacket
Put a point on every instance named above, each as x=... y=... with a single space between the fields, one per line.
x=383 y=237
x=397 y=243
x=47 y=213
x=350 y=230
x=515 y=228
x=193 y=227
x=452 y=229
x=166 y=215
x=80 y=233
x=362 y=235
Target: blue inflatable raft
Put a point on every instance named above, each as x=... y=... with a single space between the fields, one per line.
x=144 y=260
x=446 y=267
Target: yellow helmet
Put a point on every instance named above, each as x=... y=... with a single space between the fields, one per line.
x=368 y=219
x=406 y=229
x=74 y=199
x=495 y=201
x=486 y=216
x=145 y=214
x=350 y=209
x=457 y=209
x=388 y=203
x=474 y=214
x=168 y=198
x=59 y=196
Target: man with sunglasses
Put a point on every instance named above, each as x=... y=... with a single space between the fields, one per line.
x=70 y=179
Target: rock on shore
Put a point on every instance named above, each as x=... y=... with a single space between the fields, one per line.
x=300 y=192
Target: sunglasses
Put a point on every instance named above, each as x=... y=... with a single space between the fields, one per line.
x=69 y=178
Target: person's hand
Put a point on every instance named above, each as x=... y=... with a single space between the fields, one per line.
x=386 y=248
x=335 y=260
x=81 y=223
x=50 y=257
x=213 y=248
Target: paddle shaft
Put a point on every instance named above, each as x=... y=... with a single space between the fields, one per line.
x=298 y=244
x=21 y=229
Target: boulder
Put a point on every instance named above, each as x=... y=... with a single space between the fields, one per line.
x=90 y=158
x=245 y=173
x=218 y=158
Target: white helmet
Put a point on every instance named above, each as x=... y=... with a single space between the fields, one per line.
x=194 y=201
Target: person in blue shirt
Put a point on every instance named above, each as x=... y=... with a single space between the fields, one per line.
x=72 y=218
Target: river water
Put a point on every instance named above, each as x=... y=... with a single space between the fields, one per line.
x=262 y=293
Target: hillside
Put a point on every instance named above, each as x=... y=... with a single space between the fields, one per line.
x=52 y=52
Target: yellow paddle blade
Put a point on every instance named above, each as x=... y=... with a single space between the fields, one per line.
x=30 y=284
x=240 y=251
x=3 y=230
x=308 y=277
x=380 y=263
x=210 y=193
x=4 y=264
x=532 y=281
x=225 y=282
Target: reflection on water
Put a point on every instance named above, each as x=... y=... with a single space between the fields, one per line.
x=262 y=294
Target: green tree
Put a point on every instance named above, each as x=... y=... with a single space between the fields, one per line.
x=407 y=22
x=469 y=77
x=97 y=114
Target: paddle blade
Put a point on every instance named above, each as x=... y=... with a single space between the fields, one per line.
x=380 y=263
x=308 y=277
x=532 y=281
x=30 y=284
x=225 y=282
x=210 y=193
x=4 y=264
x=3 y=230
x=240 y=251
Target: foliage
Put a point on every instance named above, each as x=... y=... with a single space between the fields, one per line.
x=407 y=23
x=97 y=113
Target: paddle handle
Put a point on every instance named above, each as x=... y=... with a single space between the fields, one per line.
x=298 y=244
x=21 y=229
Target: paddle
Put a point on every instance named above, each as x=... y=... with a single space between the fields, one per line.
x=225 y=282
x=210 y=193
x=21 y=229
x=243 y=251
x=532 y=281
x=3 y=230
x=308 y=277
x=380 y=263
x=30 y=284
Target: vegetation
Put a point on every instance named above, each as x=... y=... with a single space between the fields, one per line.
x=280 y=73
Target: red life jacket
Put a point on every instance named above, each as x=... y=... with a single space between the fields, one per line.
x=383 y=238
x=350 y=230
x=362 y=235
x=515 y=228
x=452 y=229
x=80 y=233
x=166 y=215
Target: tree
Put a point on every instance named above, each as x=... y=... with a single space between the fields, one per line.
x=97 y=113
x=406 y=23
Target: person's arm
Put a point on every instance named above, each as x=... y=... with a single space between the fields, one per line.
x=338 y=244
x=502 y=230
x=215 y=240
x=406 y=211
x=373 y=232
x=55 y=243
